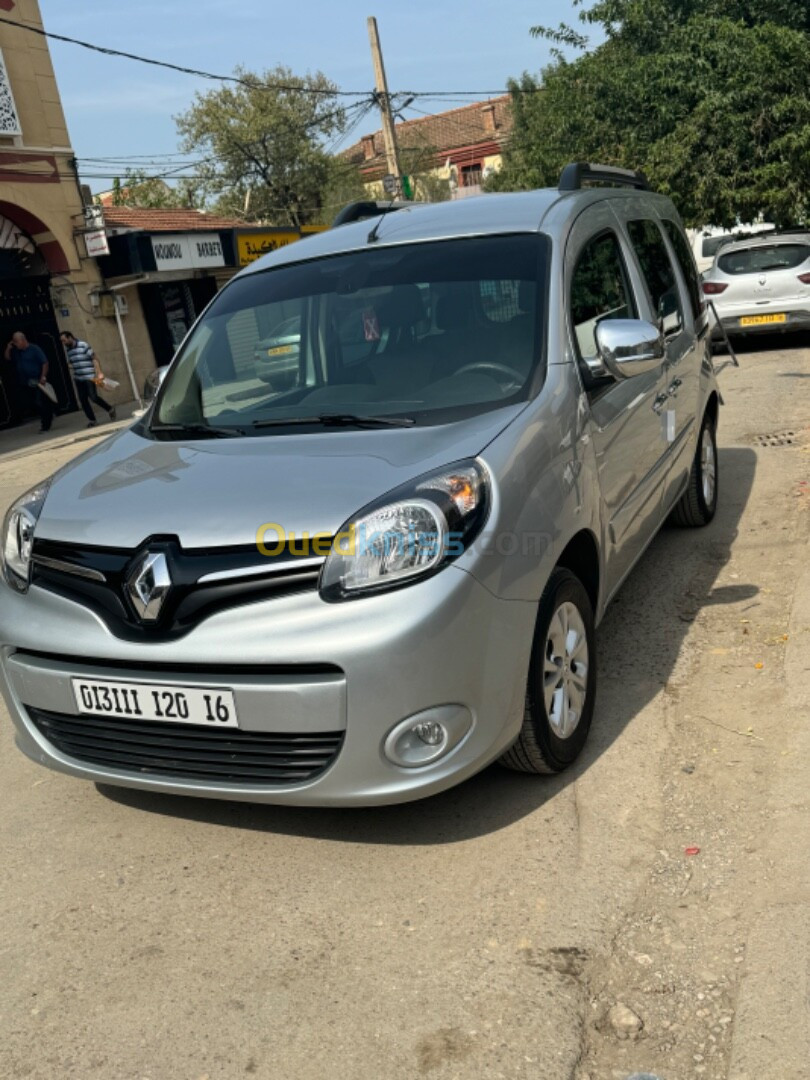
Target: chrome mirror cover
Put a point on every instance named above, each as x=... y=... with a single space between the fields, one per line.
x=630 y=347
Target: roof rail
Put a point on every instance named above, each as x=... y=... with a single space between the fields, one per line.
x=359 y=211
x=575 y=175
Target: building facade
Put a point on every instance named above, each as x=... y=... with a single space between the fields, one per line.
x=451 y=152
x=46 y=275
x=129 y=281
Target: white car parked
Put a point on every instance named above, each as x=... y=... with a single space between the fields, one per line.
x=761 y=285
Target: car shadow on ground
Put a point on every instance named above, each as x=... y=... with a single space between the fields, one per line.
x=765 y=343
x=641 y=638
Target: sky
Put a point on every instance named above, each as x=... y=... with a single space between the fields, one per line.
x=116 y=107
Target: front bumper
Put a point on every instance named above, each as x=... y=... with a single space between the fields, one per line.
x=296 y=665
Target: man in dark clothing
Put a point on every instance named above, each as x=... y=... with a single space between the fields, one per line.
x=32 y=374
x=85 y=367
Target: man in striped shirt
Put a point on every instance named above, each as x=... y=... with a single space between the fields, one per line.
x=85 y=367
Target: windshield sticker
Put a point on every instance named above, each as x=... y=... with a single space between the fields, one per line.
x=371 y=325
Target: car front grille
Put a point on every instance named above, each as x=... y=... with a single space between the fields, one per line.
x=190 y=752
x=203 y=582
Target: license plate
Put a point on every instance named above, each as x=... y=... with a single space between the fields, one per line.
x=212 y=707
x=761 y=320
x=280 y=350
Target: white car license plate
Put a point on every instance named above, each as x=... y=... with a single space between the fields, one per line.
x=210 y=706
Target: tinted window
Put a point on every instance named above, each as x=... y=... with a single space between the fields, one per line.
x=754 y=260
x=687 y=265
x=450 y=327
x=599 y=290
x=712 y=244
x=658 y=272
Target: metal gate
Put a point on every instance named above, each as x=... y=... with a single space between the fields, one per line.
x=25 y=305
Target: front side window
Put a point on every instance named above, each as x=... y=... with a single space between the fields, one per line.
x=687 y=265
x=429 y=332
x=599 y=290
x=757 y=260
x=658 y=273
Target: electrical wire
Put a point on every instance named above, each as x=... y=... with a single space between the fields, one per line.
x=257 y=84
x=251 y=83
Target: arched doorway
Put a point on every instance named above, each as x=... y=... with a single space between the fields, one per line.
x=25 y=305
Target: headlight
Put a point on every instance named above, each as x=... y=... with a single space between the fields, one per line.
x=18 y=535
x=410 y=533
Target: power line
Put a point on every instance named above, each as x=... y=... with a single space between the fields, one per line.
x=252 y=84
x=257 y=84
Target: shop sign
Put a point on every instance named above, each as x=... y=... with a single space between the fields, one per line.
x=194 y=251
x=251 y=246
x=96 y=243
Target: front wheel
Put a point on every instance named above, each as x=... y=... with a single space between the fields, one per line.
x=697 y=506
x=562 y=680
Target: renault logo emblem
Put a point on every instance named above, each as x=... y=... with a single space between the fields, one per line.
x=148 y=584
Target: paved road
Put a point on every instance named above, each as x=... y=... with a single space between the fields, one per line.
x=487 y=932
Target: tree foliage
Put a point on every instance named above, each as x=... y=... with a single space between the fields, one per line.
x=139 y=190
x=710 y=97
x=262 y=146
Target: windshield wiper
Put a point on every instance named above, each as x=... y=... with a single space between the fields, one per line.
x=198 y=429
x=338 y=420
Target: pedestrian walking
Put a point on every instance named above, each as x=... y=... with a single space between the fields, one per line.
x=86 y=370
x=32 y=375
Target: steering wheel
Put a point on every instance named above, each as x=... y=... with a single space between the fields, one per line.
x=514 y=380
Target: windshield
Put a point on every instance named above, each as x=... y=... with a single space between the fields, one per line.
x=432 y=332
x=754 y=260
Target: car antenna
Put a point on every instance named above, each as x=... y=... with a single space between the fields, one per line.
x=373 y=234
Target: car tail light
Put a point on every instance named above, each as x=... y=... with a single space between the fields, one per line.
x=805 y=278
x=714 y=288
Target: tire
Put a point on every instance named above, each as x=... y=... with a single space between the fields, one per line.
x=698 y=504
x=543 y=745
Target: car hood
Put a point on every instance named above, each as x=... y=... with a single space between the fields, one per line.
x=218 y=492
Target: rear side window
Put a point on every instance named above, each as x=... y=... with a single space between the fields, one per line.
x=754 y=260
x=687 y=265
x=658 y=273
x=599 y=290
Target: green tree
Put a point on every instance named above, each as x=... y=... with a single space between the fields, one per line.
x=139 y=190
x=262 y=142
x=710 y=97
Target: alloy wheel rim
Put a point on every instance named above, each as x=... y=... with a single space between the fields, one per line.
x=708 y=468
x=565 y=670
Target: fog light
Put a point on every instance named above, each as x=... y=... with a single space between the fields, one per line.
x=431 y=733
x=424 y=738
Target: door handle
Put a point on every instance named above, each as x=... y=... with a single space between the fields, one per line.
x=660 y=402
x=674 y=386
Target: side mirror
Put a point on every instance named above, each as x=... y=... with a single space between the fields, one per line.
x=153 y=384
x=669 y=314
x=630 y=347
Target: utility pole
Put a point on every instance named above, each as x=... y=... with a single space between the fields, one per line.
x=384 y=101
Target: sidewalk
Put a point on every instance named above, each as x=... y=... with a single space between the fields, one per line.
x=70 y=428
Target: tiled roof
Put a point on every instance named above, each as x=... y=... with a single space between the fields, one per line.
x=130 y=217
x=443 y=132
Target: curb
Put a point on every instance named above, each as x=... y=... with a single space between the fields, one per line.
x=93 y=435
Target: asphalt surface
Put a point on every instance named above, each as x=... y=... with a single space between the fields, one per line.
x=486 y=932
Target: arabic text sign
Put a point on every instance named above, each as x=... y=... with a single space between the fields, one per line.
x=176 y=251
x=252 y=246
